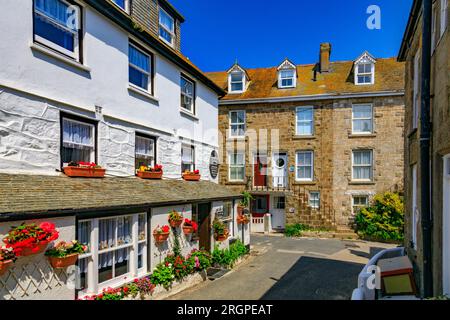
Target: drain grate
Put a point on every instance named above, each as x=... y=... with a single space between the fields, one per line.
x=216 y=273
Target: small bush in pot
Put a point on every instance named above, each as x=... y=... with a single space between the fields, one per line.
x=220 y=230
x=65 y=254
x=245 y=202
x=175 y=218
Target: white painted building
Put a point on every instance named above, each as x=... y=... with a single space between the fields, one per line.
x=110 y=92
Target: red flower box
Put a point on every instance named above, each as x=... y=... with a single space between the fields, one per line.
x=90 y=172
x=4 y=266
x=65 y=262
x=150 y=175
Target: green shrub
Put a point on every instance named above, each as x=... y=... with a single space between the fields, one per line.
x=204 y=259
x=384 y=220
x=163 y=275
x=227 y=257
x=295 y=230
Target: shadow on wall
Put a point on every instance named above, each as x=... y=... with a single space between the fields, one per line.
x=316 y=279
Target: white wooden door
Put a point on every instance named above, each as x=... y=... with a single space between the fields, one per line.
x=279 y=170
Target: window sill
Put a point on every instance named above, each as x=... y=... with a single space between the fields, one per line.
x=305 y=183
x=242 y=138
x=59 y=56
x=297 y=137
x=235 y=183
x=362 y=183
x=362 y=135
x=188 y=114
x=142 y=92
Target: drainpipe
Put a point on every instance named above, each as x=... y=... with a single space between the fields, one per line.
x=425 y=135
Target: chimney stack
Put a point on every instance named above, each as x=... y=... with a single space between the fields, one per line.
x=325 y=53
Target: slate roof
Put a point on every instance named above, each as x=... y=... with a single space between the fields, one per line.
x=389 y=76
x=42 y=194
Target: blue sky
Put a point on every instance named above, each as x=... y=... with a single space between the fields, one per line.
x=261 y=33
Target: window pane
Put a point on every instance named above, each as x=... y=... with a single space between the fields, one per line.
x=362 y=125
x=237 y=77
x=124 y=231
x=141 y=227
x=362 y=112
x=84 y=233
x=105 y=267
x=82 y=275
x=237 y=86
x=120 y=3
x=166 y=20
x=138 y=58
x=187 y=86
x=106 y=233
x=138 y=78
x=362 y=173
x=165 y=35
x=122 y=265
x=304 y=128
x=141 y=248
x=144 y=146
x=362 y=157
x=48 y=31
x=287 y=73
x=78 y=142
x=54 y=9
x=305 y=114
x=287 y=83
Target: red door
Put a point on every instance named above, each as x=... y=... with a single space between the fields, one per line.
x=260 y=169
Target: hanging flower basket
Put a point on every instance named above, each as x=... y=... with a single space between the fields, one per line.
x=189 y=227
x=161 y=234
x=4 y=266
x=243 y=219
x=30 y=239
x=65 y=254
x=175 y=219
x=191 y=175
x=240 y=210
x=155 y=172
x=65 y=262
x=86 y=170
x=7 y=259
x=222 y=237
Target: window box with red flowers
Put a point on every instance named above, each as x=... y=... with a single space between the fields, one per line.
x=189 y=227
x=84 y=169
x=161 y=234
x=175 y=219
x=155 y=172
x=65 y=254
x=191 y=175
x=29 y=239
x=7 y=259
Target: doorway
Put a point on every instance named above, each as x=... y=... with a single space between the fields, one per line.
x=204 y=226
x=279 y=170
x=260 y=171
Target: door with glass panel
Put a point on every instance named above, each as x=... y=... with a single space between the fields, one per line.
x=279 y=170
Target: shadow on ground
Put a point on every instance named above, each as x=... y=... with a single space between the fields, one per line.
x=316 y=279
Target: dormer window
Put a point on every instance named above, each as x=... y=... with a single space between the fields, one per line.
x=237 y=79
x=166 y=27
x=365 y=70
x=287 y=75
x=123 y=4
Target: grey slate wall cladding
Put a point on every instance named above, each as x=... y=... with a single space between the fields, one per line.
x=146 y=12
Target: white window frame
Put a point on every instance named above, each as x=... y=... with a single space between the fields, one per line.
x=371 y=73
x=311 y=165
x=183 y=94
x=76 y=51
x=171 y=32
x=191 y=163
x=231 y=124
x=444 y=17
x=93 y=287
x=359 y=205
x=281 y=78
x=231 y=165
x=310 y=200
x=147 y=73
x=230 y=82
x=127 y=6
x=362 y=165
x=416 y=90
x=93 y=137
x=297 y=121
x=364 y=118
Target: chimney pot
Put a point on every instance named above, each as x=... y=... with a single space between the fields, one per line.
x=325 y=53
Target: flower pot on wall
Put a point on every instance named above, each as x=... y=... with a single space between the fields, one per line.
x=64 y=262
x=191 y=177
x=4 y=266
x=240 y=210
x=175 y=224
x=161 y=237
x=39 y=248
x=222 y=237
x=243 y=220
x=150 y=175
x=188 y=230
x=84 y=172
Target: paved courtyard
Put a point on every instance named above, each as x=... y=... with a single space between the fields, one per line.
x=290 y=269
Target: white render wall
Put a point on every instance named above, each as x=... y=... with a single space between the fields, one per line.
x=32 y=277
x=34 y=86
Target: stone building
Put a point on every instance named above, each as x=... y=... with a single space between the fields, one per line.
x=438 y=98
x=104 y=82
x=313 y=143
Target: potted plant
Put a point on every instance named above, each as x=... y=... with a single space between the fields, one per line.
x=175 y=219
x=191 y=175
x=243 y=219
x=7 y=258
x=29 y=239
x=84 y=169
x=65 y=254
x=245 y=202
x=161 y=234
x=155 y=172
x=189 y=227
x=220 y=230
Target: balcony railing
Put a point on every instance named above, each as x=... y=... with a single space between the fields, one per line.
x=272 y=184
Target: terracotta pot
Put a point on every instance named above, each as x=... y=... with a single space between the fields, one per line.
x=240 y=210
x=65 y=262
x=243 y=220
x=222 y=237
x=84 y=172
x=191 y=177
x=188 y=230
x=175 y=224
x=161 y=237
x=149 y=175
x=4 y=266
x=39 y=248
